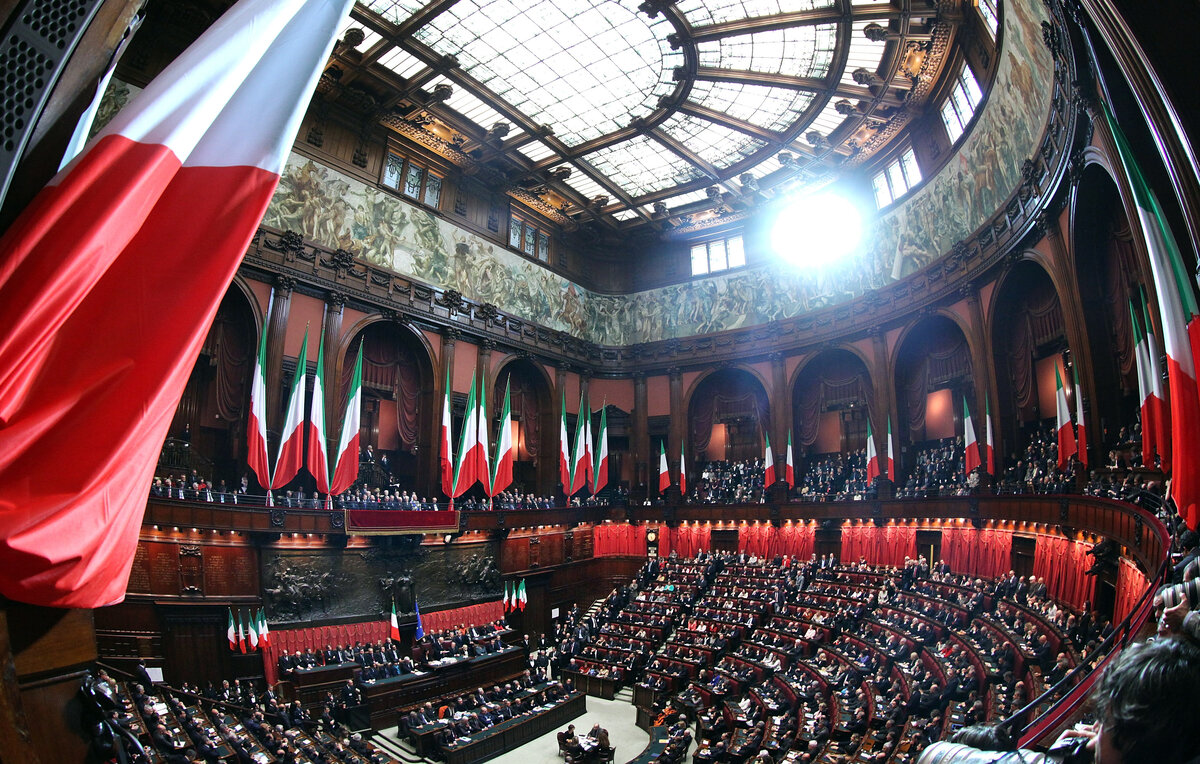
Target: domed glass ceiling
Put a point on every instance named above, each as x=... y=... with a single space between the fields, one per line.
x=647 y=105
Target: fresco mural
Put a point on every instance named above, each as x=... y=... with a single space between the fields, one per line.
x=334 y=210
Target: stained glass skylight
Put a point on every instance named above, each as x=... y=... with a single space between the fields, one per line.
x=716 y=11
x=804 y=51
x=643 y=166
x=715 y=144
x=587 y=67
x=394 y=11
x=770 y=108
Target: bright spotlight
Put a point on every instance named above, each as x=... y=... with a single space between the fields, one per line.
x=816 y=231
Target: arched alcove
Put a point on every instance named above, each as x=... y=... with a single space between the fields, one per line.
x=208 y=432
x=398 y=406
x=1028 y=340
x=1108 y=276
x=831 y=401
x=534 y=435
x=933 y=375
x=728 y=414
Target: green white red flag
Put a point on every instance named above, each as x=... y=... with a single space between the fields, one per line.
x=395 y=624
x=564 y=453
x=256 y=428
x=468 y=440
x=872 y=455
x=483 y=471
x=579 y=465
x=241 y=632
x=1081 y=428
x=160 y=206
x=251 y=632
x=521 y=596
x=1159 y=404
x=1181 y=331
x=682 y=471
x=446 y=452
x=768 y=463
x=971 y=460
x=231 y=632
x=601 y=469
x=346 y=470
x=502 y=465
x=1063 y=424
x=789 y=466
x=264 y=631
x=989 y=447
x=291 y=444
x=891 y=455
x=318 y=455
x=664 y=472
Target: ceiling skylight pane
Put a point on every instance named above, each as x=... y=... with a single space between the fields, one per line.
x=682 y=200
x=400 y=62
x=827 y=121
x=804 y=51
x=584 y=185
x=625 y=214
x=536 y=151
x=394 y=11
x=716 y=11
x=587 y=67
x=770 y=108
x=863 y=52
x=715 y=144
x=642 y=166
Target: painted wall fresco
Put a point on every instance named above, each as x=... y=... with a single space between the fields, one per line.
x=335 y=210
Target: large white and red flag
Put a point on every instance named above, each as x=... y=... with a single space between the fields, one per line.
x=110 y=280
x=466 y=461
x=1159 y=403
x=1081 y=429
x=989 y=446
x=891 y=455
x=565 y=471
x=1181 y=331
x=664 y=472
x=768 y=463
x=291 y=442
x=789 y=466
x=682 y=470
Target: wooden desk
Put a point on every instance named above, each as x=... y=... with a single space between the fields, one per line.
x=659 y=737
x=312 y=684
x=517 y=732
x=597 y=687
x=386 y=695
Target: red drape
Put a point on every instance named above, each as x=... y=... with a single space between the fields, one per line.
x=317 y=637
x=618 y=539
x=888 y=545
x=1063 y=564
x=1131 y=583
x=974 y=552
x=684 y=540
x=765 y=540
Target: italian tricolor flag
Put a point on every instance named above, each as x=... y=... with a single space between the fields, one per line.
x=564 y=454
x=1159 y=407
x=231 y=632
x=601 y=470
x=989 y=447
x=346 y=471
x=1081 y=431
x=789 y=466
x=264 y=631
x=682 y=470
x=252 y=632
x=483 y=471
x=1064 y=426
x=972 y=456
x=521 y=598
x=579 y=461
x=318 y=457
x=256 y=428
x=395 y=625
x=872 y=455
x=502 y=465
x=291 y=447
x=664 y=472
x=446 y=452
x=465 y=462
x=768 y=463
x=891 y=456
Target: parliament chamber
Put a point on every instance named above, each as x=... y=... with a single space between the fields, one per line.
x=796 y=377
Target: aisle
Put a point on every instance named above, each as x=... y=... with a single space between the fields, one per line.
x=616 y=716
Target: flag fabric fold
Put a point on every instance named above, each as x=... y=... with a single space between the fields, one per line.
x=483 y=470
x=1159 y=404
x=789 y=466
x=1081 y=428
x=256 y=428
x=682 y=471
x=154 y=216
x=891 y=455
x=264 y=631
x=578 y=457
x=468 y=440
x=251 y=632
x=521 y=596
x=989 y=447
x=564 y=455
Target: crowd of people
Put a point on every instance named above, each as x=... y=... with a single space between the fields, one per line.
x=725 y=482
x=939 y=470
x=835 y=477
